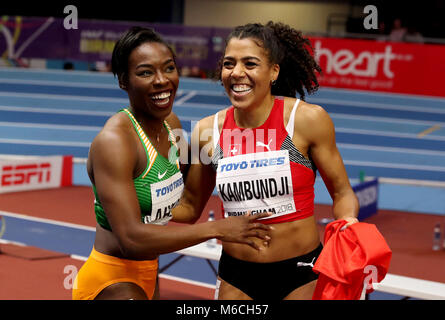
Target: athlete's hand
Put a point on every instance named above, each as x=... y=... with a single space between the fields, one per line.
x=241 y=229
x=350 y=221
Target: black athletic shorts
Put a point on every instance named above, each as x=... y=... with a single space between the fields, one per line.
x=271 y=280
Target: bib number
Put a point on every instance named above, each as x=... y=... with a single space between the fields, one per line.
x=165 y=196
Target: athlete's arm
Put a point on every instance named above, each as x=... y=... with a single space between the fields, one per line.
x=201 y=178
x=319 y=131
x=114 y=161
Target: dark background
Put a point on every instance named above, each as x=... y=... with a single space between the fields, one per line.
x=426 y=16
x=160 y=11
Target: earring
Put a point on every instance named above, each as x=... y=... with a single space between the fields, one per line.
x=273 y=82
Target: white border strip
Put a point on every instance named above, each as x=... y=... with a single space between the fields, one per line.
x=390 y=149
x=192 y=282
x=49 y=221
x=389 y=134
x=57 y=71
x=393 y=165
x=187 y=96
x=86 y=85
x=385 y=119
x=21 y=244
x=49 y=126
x=373 y=105
x=394 y=95
x=47 y=143
x=57 y=111
x=413 y=182
x=23 y=157
x=123 y=101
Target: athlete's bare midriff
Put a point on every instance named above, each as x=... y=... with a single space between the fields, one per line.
x=106 y=242
x=289 y=239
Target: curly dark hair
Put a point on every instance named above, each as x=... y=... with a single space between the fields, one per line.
x=289 y=49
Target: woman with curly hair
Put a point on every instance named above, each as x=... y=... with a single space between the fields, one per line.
x=265 y=150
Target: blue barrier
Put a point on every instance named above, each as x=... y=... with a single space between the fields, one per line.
x=367 y=194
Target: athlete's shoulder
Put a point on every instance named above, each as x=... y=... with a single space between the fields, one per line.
x=313 y=122
x=173 y=121
x=208 y=122
x=310 y=112
x=116 y=133
x=302 y=106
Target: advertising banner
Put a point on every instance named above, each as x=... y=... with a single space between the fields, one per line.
x=35 y=173
x=381 y=66
x=94 y=40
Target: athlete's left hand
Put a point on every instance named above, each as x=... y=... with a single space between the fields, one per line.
x=350 y=221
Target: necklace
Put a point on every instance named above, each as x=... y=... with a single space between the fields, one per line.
x=151 y=130
x=157 y=133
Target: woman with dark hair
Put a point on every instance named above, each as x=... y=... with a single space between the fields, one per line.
x=134 y=167
x=265 y=150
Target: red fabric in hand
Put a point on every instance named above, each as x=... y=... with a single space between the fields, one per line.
x=347 y=258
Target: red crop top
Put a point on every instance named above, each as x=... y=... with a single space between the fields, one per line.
x=261 y=170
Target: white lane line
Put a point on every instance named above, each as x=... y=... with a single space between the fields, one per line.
x=388 y=134
x=46 y=142
x=39 y=71
x=49 y=221
x=374 y=105
x=56 y=111
x=412 y=182
x=387 y=95
x=390 y=149
x=192 y=282
x=187 y=96
x=49 y=126
x=86 y=85
x=123 y=101
x=76 y=160
x=394 y=165
x=384 y=119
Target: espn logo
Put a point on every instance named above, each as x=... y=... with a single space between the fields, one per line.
x=26 y=174
x=31 y=174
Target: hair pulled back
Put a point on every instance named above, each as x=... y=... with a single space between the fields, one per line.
x=289 y=49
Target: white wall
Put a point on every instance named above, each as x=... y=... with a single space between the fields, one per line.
x=302 y=15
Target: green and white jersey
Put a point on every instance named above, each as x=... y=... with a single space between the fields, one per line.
x=158 y=188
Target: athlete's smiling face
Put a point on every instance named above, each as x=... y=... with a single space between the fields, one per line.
x=247 y=73
x=152 y=79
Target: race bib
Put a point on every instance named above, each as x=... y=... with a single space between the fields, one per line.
x=165 y=196
x=259 y=182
